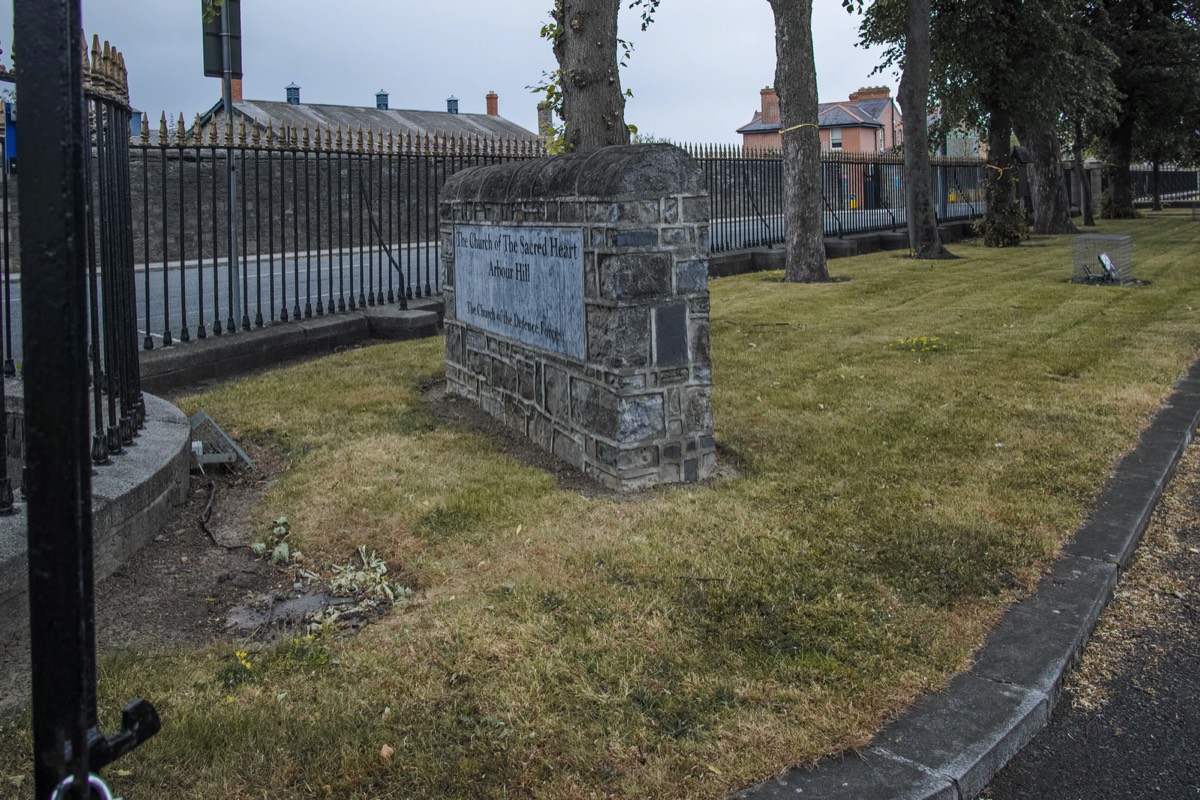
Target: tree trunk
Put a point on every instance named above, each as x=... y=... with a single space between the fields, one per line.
x=1051 y=209
x=1086 y=206
x=1003 y=224
x=593 y=106
x=1119 y=203
x=796 y=83
x=923 y=238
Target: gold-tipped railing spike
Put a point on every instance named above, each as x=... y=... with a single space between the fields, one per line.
x=359 y=140
x=306 y=137
x=162 y=130
x=328 y=138
x=180 y=131
x=255 y=138
x=317 y=137
x=228 y=120
x=241 y=134
x=338 y=142
x=270 y=134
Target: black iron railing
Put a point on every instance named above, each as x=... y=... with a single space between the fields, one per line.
x=860 y=193
x=1172 y=183
x=77 y=303
x=324 y=221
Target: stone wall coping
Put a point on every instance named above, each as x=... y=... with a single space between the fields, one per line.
x=625 y=171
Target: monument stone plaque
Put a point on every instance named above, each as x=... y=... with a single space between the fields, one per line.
x=522 y=282
x=577 y=310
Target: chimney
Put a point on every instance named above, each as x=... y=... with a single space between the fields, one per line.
x=293 y=94
x=381 y=98
x=545 y=120
x=493 y=104
x=770 y=106
x=871 y=93
x=236 y=89
x=451 y=105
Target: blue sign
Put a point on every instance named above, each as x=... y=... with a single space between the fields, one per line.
x=10 y=131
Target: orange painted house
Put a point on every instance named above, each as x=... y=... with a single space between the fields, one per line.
x=868 y=122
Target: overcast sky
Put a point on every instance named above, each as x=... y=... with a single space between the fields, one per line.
x=695 y=73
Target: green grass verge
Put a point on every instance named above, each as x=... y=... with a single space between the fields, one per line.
x=892 y=499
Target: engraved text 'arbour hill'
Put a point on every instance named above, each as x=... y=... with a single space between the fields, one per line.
x=522 y=282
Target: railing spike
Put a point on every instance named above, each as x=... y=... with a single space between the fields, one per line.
x=145 y=130
x=306 y=137
x=255 y=138
x=162 y=130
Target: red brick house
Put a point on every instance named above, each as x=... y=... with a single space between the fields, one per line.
x=868 y=122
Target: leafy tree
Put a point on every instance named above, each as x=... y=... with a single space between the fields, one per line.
x=1000 y=63
x=1157 y=43
x=796 y=83
x=585 y=90
x=911 y=20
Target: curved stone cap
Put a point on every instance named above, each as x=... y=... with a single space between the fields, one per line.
x=639 y=170
x=132 y=498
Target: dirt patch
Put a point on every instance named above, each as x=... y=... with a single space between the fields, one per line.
x=177 y=590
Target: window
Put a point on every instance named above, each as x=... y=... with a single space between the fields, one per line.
x=835 y=138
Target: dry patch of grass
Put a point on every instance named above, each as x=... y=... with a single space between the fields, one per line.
x=890 y=502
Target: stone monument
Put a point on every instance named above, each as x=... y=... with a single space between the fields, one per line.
x=577 y=311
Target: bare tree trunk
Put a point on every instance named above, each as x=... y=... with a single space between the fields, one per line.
x=593 y=107
x=1003 y=224
x=1086 y=206
x=1119 y=203
x=923 y=238
x=1051 y=209
x=796 y=83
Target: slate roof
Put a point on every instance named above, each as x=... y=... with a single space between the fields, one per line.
x=328 y=115
x=756 y=125
x=844 y=114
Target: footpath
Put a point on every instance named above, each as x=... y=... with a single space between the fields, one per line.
x=1128 y=722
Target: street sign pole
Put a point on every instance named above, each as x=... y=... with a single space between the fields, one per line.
x=235 y=281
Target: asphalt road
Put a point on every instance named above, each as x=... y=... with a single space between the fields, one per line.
x=1128 y=722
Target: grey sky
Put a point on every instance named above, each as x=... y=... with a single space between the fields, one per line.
x=695 y=73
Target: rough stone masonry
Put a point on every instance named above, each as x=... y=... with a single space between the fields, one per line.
x=577 y=308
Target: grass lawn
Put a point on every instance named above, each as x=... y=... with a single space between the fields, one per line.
x=892 y=499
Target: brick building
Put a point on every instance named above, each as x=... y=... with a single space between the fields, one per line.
x=868 y=122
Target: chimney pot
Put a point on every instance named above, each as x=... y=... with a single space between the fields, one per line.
x=871 y=93
x=770 y=106
x=493 y=104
